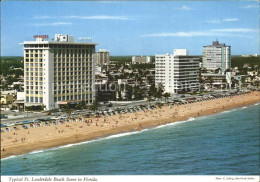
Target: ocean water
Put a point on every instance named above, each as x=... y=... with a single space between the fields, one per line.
x=222 y=144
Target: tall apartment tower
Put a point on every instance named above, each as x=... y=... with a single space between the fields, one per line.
x=217 y=56
x=102 y=57
x=177 y=72
x=57 y=71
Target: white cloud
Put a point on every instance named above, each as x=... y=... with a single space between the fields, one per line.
x=179 y=34
x=212 y=32
x=52 y=24
x=185 y=8
x=250 y=6
x=43 y=17
x=233 y=30
x=107 y=2
x=230 y=19
x=222 y=20
x=98 y=17
x=213 y=21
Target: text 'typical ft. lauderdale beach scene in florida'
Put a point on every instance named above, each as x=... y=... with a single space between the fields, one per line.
x=130 y=88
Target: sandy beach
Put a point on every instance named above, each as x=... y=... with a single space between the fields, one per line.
x=22 y=141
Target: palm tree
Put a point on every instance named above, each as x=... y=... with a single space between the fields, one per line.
x=210 y=79
x=81 y=105
x=152 y=91
x=94 y=106
x=166 y=95
x=159 y=91
x=243 y=80
x=217 y=70
x=67 y=109
x=149 y=99
x=204 y=70
x=129 y=89
x=224 y=81
x=138 y=93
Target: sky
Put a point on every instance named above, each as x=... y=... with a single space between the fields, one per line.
x=134 y=27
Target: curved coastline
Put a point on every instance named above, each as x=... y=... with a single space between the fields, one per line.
x=92 y=133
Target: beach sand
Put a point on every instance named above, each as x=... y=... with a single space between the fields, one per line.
x=23 y=141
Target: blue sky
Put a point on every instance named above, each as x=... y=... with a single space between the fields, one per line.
x=134 y=28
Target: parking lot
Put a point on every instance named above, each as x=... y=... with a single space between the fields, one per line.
x=120 y=108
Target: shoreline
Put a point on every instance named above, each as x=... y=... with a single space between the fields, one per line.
x=142 y=120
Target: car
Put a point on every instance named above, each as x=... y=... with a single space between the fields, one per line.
x=47 y=123
x=3 y=116
x=25 y=127
x=3 y=125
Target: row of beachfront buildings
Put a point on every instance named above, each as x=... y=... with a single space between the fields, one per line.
x=180 y=71
x=63 y=70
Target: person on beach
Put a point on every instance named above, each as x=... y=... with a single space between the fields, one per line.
x=140 y=125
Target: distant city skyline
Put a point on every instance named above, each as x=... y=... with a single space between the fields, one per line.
x=134 y=28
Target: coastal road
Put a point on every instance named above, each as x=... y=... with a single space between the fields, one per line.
x=33 y=116
x=25 y=118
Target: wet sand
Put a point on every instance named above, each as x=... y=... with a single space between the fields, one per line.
x=23 y=141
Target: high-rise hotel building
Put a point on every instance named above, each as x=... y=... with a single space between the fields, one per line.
x=217 y=56
x=58 y=71
x=102 y=57
x=177 y=72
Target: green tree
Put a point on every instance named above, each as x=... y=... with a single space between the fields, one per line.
x=152 y=91
x=210 y=80
x=68 y=109
x=217 y=70
x=243 y=80
x=81 y=105
x=160 y=90
x=204 y=70
x=94 y=106
x=129 y=92
x=138 y=93
x=166 y=95
x=149 y=99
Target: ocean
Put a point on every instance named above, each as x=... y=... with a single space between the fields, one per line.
x=226 y=143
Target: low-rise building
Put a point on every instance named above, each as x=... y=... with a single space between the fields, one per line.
x=7 y=99
x=216 y=80
x=141 y=59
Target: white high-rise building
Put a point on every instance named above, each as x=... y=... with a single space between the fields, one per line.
x=102 y=57
x=58 y=71
x=177 y=72
x=217 y=56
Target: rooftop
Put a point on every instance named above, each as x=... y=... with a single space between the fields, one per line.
x=59 y=39
x=216 y=44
